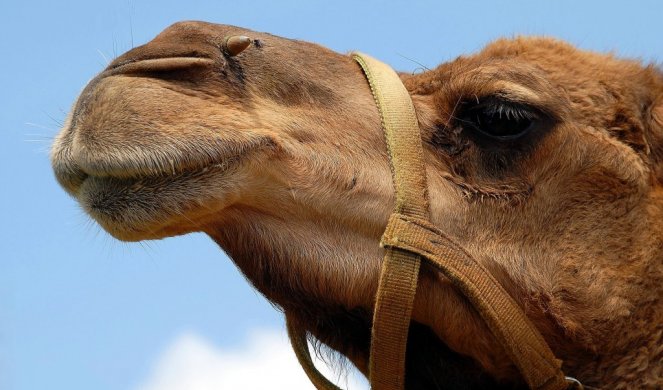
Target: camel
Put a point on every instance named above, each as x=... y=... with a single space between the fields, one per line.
x=543 y=161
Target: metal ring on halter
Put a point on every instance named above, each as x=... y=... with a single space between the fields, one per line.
x=574 y=384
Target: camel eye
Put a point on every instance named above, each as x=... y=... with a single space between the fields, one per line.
x=500 y=120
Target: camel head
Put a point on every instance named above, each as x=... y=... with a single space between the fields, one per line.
x=543 y=161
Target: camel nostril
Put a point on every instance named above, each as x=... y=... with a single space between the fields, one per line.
x=161 y=65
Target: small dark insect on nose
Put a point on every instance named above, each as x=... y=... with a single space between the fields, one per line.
x=236 y=44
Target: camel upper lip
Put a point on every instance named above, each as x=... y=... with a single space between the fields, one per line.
x=73 y=178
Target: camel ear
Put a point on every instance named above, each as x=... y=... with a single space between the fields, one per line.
x=655 y=137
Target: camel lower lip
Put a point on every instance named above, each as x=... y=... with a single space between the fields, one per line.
x=129 y=204
x=154 y=183
x=107 y=196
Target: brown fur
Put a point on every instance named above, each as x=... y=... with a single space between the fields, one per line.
x=278 y=155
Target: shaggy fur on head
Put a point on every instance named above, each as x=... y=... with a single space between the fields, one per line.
x=545 y=162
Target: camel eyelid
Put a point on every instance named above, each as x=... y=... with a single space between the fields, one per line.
x=493 y=120
x=499 y=106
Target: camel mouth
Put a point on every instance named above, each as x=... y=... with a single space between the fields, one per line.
x=74 y=168
x=126 y=207
x=144 y=176
x=137 y=199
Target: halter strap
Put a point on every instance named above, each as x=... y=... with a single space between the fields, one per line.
x=400 y=269
x=408 y=238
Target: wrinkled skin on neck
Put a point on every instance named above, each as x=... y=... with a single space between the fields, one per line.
x=277 y=154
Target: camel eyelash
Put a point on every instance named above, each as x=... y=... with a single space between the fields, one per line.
x=498 y=119
x=508 y=111
x=499 y=107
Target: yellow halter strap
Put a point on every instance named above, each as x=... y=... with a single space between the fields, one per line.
x=411 y=237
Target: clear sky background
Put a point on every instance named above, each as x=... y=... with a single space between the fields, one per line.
x=80 y=310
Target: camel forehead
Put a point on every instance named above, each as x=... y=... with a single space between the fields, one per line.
x=564 y=63
x=544 y=64
x=541 y=50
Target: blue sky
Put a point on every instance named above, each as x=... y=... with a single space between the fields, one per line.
x=80 y=310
